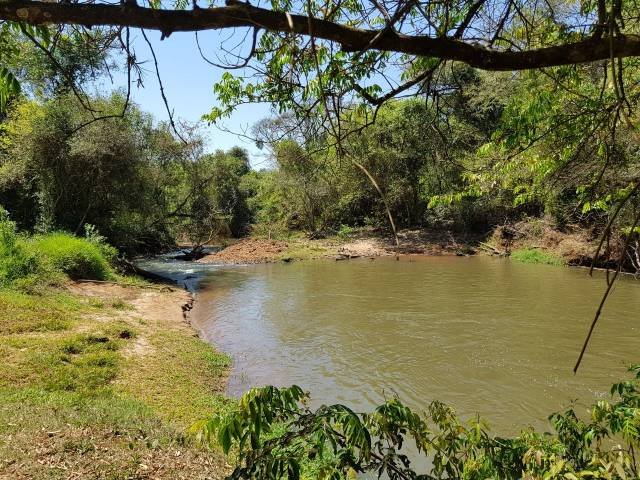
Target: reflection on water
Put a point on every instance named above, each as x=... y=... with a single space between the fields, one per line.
x=488 y=336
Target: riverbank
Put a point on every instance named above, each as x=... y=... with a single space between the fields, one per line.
x=359 y=243
x=529 y=241
x=100 y=380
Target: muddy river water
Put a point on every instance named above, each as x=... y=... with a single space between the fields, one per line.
x=487 y=336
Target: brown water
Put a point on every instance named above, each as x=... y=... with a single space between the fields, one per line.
x=487 y=336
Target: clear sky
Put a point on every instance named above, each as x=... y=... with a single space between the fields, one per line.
x=188 y=83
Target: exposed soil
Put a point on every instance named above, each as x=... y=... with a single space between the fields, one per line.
x=413 y=242
x=366 y=244
x=575 y=245
x=248 y=250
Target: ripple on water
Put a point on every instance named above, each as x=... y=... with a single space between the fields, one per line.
x=484 y=335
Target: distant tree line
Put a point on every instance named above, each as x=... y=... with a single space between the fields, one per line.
x=481 y=150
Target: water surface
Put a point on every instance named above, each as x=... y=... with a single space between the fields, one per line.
x=487 y=336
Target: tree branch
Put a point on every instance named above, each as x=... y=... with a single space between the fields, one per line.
x=237 y=14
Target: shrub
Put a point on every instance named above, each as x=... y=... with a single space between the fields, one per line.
x=275 y=435
x=26 y=262
x=76 y=257
x=16 y=261
x=346 y=231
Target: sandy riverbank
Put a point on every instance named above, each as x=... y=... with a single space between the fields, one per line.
x=539 y=239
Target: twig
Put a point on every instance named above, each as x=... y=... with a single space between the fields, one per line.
x=610 y=283
x=164 y=97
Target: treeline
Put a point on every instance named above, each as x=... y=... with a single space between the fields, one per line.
x=479 y=150
x=71 y=160
x=134 y=181
x=482 y=149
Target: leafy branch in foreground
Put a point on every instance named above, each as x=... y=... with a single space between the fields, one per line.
x=275 y=435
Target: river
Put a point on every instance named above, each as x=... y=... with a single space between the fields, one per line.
x=488 y=336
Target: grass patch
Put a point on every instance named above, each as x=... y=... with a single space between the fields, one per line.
x=68 y=362
x=20 y=312
x=28 y=263
x=303 y=251
x=535 y=255
x=133 y=281
x=176 y=377
x=65 y=435
x=79 y=398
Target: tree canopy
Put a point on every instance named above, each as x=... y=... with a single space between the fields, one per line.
x=372 y=50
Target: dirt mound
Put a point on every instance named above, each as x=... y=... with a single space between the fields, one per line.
x=248 y=250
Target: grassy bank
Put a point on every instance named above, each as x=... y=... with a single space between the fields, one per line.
x=102 y=381
x=537 y=256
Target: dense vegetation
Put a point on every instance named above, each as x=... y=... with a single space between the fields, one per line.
x=134 y=182
x=481 y=151
x=47 y=259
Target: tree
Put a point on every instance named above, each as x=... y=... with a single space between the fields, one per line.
x=122 y=174
x=336 y=59
x=439 y=30
x=226 y=170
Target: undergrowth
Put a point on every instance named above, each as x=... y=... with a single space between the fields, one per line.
x=30 y=262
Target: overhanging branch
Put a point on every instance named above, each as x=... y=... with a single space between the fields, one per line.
x=351 y=39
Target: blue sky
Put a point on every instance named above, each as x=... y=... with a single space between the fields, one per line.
x=188 y=83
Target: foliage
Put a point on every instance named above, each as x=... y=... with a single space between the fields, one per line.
x=17 y=261
x=312 y=187
x=134 y=182
x=345 y=231
x=48 y=258
x=275 y=435
x=76 y=257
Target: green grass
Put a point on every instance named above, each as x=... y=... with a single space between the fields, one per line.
x=21 y=312
x=535 y=255
x=59 y=435
x=30 y=262
x=78 y=397
x=345 y=232
x=74 y=256
x=303 y=250
x=176 y=376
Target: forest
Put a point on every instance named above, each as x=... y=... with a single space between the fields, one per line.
x=468 y=162
x=505 y=129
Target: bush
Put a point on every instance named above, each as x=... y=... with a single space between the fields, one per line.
x=346 y=231
x=76 y=257
x=275 y=435
x=92 y=235
x=16 y=261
